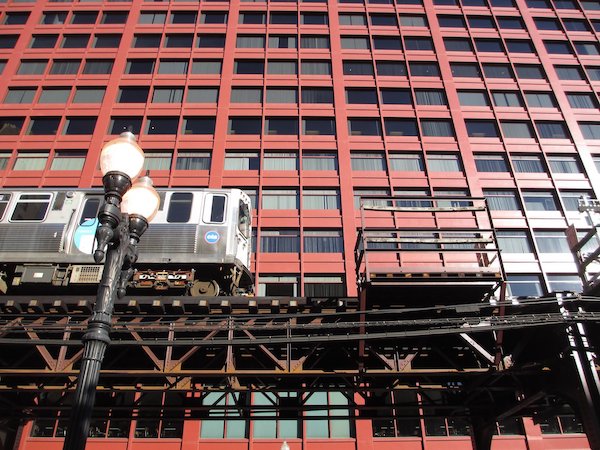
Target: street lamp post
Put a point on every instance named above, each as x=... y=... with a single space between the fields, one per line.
x=123 y=218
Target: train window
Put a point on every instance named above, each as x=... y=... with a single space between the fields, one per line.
x=31 y=207
x=4 y=199
x=180 y=207
x=90 y=210
x=217 y=210
x=244 y=219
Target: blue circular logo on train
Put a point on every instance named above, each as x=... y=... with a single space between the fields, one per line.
x=212 y=237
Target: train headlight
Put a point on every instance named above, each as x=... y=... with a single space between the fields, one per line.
x=122 y=154
x=141 y=200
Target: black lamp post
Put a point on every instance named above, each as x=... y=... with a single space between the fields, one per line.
x=122 y=220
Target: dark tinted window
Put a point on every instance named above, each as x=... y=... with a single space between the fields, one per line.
x=10 y=125
x=133 y=94
x=180 y=207
x=90 y=210
x=80 y=125
x=31 y=207
x=217 y=211
x=390 y=68
x=358 y=68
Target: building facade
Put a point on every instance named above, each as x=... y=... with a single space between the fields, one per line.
x=307 y=106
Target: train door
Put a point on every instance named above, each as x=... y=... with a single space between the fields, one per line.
x=87 y=222
x=243 y=234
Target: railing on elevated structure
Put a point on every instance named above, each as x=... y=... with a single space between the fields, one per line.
x=441 y=247
x=586 y=249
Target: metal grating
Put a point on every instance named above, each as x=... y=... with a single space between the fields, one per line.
x=31 y=237
x=170 y=238
x=86 y=274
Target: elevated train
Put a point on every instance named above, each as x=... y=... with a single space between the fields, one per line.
x=199 y=243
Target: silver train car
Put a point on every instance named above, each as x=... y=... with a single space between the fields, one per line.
x=199 y=243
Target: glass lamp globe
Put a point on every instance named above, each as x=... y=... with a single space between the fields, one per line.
x=122 y=154
x=141 y=200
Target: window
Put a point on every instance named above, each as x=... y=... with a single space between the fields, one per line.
x=451 y=21
x=308 y=67
x=210 y=18
x=530 y=72
x=280 y=125
x=281 y=67
x=146 y=40
x=412 y=21
x=43 y=125
x=79 y=125
x=465 y=70
x=353 y=19
x=193 y=160
x=157 y=160
x=241 y=160
x=540 y=100
x=437 y=128
x=121 y=124
x=481 y=22
x=184 y=17
x=8 y=41
x=246 y=95
x=152 y=18
x=552 y=242
x=319 y=161
x=395 y=97
x=552 y=130
x=89 y=95
x=582 y=100
x=388 y=68
x=280 y=199
x=527 y=164
x=355 y=42
x=324 y=286
x=206 y=67
x=43 y=41
x=501 y=200
x=564 y=164
x=233 y=427
x=252 y=18
x=321 y=199
x=286 y=286
x=524 y=285
x=386 y=43
x=31 y=207
x=406 y=162
x=180 y=207
x=358 y=68
x=360 y=194
x=283 y=41
x=84 y=17
x=587 y=48
x=167 y=95
x=53 y=18
x=420 y=69
x=458 y=45
x=173 y=67
x=491 y=163
x=569 y=73
x=316 y=41
x=211 y=41
x=489 y=45
x=444 y=162
x=323 y=241
x=317 y=95
x=498 y=71
x=364 y=127
x=324 y=126
x=519 y=46
x=10 y=125
x=557 y=283
x=327 y=426
x=356 y=96
x=546 y=24
x=283 y=18
x=418 y=43
x=282 y=95
x=2 y=65
x=590 y=130
x=65 y=67
x=481 y=128
x=114 y=17
x=133 y=94
x=473 y=98
x=75 y=41
x=516 y=130
x=558 y=47
x=430 y=97
x=198 y=125
x=247 y=41
x=248 y=67
x=514 y=242
x=4 y=158
x=162 y=125
x=139 y=66
x=30 y=161
x=20 y=95
x=202 y=95
x=107 y=40
x=570 y=200
x=510 y=23
x=539 y=201
x=313 y=18
x=576 y=25
x=68 y=160
x=367 y=161
x=244 y=125
x=400 y=127
x=383 y=20
x=98 y=67
x=279 y=160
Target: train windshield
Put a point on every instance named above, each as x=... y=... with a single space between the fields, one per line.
x=31 y=207
x=4 y=199
x=180 y=207
x=244 y=219
x=90 y=211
